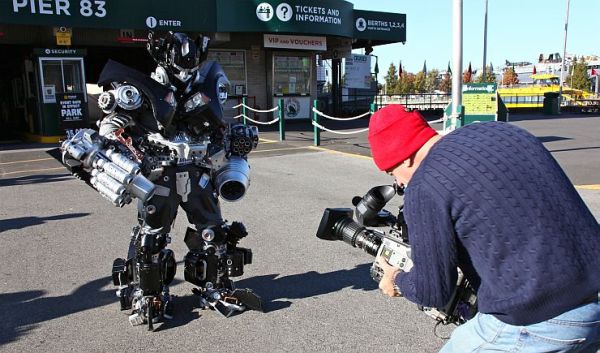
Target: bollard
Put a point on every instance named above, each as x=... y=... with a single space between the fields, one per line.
x=373 y=108
x=244 y=110
x=316 y=131
x=281 y=120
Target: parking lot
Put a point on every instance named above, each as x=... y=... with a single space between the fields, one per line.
x=58 y=239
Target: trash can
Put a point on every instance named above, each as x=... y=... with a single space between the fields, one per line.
x=551 y=103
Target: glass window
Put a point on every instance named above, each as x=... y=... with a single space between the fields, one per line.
x=291 y=74
x=52 y=74
x=72 y=75
x=61 y=76
x=233 y=63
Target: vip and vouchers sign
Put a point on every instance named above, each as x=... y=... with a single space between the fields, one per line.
x=71 y=110
x=358 y=71
x=295 y=42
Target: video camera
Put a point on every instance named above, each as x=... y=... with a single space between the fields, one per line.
x=393 y=245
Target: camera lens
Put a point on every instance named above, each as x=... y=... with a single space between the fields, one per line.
x=357 y=236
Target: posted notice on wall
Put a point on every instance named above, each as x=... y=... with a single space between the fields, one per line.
x=358 y=71
x=72 y=111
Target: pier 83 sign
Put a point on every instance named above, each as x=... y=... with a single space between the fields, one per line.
x=136 y=14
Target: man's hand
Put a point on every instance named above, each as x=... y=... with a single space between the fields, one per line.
x=387 y=283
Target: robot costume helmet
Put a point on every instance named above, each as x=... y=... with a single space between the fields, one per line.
x=178 y=54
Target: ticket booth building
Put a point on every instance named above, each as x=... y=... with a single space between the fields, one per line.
x=268 y=50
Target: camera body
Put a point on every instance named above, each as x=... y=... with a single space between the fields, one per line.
x=393 y=245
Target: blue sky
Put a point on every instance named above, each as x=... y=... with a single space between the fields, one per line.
x=518 y=30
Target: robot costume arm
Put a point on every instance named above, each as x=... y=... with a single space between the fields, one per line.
x=107 y=167
x=230 y=164
x=118 y=103
x=112 y=123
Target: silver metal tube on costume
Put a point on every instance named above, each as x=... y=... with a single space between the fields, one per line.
x=75 y=151
x=114 y=171
x=117 y=200
x=141 y=188
x=109 y=182
x=123 y=162
x=233 y=179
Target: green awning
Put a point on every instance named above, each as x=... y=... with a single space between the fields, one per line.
x=315 y=17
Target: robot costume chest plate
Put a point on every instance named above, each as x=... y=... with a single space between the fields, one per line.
x=183 y=185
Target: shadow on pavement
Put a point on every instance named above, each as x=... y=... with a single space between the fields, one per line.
x=274 y=290
x=24 y=222
x=35 y=179
x=544 y=139
x=24 y=311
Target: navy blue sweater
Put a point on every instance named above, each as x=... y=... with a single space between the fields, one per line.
x=490 y=199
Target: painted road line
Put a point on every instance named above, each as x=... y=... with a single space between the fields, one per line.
x=588 y=187
x=280 y=149
x=33 y=171
x=267 y=141
x=28 y=161
x=338 y=152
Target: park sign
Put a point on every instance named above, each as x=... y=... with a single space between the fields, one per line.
x=72 y=112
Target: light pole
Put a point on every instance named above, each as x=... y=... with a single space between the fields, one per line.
x=484 y=77
x=457 y=44
x=562 y=65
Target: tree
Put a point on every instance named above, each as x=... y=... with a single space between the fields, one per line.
x=432 y=81
x=490 y=76
x=510 y=77
x=446 y=83
x=579 y=78
x=406 y=84
x=391 y=79
x=467 y=77
x=419 y=86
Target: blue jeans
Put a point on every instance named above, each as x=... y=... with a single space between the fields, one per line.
x=577 y=330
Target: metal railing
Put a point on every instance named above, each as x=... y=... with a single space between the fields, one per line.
x=419 y=101
x=278 y=110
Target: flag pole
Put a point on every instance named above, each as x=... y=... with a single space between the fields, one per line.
x=562 y=65
x=484 y=77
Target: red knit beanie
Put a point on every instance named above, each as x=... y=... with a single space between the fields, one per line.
x=395 y=134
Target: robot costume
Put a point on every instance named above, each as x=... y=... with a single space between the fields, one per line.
x=164 y=142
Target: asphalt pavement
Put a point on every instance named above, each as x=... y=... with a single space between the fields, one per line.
x=58 y=239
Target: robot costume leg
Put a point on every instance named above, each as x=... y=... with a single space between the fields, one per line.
x=213 y=256
x=144 y=278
